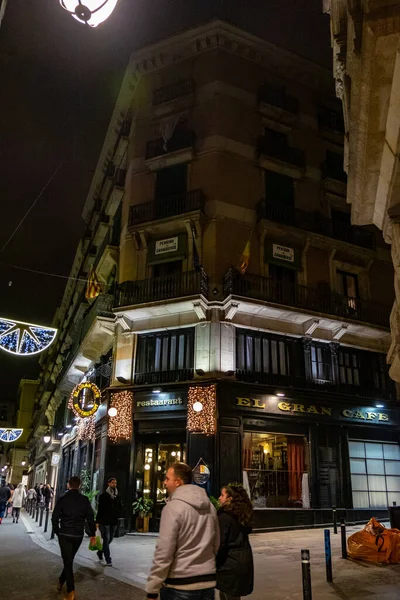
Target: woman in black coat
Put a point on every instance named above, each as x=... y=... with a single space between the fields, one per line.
x=235 y=571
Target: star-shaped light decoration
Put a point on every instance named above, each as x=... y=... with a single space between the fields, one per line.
x=24 y=339
x=10 y=435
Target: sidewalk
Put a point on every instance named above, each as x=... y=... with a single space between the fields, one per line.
x=276 y=560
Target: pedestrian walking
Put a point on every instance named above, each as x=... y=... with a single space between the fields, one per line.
x=46 y=493
x=10 y=501
x=18 y=501
x=71 y=513
x=108 y=513
x=5 y=494
x=184 y=559
x=235 y=570
x=31 y=497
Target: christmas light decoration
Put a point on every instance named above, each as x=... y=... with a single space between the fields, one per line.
x=87 y=428
x=203 y=421
x=120 y=426
x=25 y=339
x=89 y=12
x=85 y=399
x=10 y=435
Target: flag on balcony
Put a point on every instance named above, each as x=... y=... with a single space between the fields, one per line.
x=244 y=259
x=196 y=257
x=93 y=288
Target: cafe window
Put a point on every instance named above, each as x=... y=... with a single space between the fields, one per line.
x=348 y=367
x=321 y=362
x=165 y=356
x=275 y=470
x=375 y=474
x=263 y=353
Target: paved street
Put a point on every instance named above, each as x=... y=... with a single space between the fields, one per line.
x=29 y=567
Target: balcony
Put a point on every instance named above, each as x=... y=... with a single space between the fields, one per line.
x=173 y=91
x=306 y=298
x=101 y=307
x=166 y=207
x=281 y=152
x=276 y=96
x=314 y=222
x=302 y=383
x=164 y=376
x=190 y=283
x=182 y=139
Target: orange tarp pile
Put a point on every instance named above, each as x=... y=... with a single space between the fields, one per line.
x=375 y=543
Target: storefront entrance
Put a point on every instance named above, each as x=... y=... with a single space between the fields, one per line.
x=154 y=455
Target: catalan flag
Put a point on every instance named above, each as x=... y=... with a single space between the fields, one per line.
x=244 y=259
x=93 y=288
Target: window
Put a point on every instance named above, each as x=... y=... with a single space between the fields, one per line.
x=282 y=274
x=263 y=354
x=321 y=362
x=275 y=468
x=171 y=182
x=348 y=367
x=164 y=357
x=375 y=474
x=279 y=188
x=276 y=137
x=348 y=284
x=3 y=414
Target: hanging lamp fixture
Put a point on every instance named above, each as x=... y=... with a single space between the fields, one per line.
x=89 y=12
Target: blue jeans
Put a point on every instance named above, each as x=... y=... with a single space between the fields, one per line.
x=107 y=533
x=167 y=593
x=3 y=506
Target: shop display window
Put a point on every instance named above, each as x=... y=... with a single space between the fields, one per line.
x=375 y=474
x=275 y=470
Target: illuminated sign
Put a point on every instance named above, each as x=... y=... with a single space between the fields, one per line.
x=86 y=398
x=10 y=435
x=25 y=339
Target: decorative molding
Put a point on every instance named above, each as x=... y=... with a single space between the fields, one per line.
x=311 y=326
x=201 y=310
x=125 y=323
x=231 y=311
x=339 y=333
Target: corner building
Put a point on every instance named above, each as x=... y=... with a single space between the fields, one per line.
x=276 y=377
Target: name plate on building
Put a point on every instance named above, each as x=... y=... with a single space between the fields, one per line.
x=283 y=253
x=168 y=401
x=270 y=404
x=166 y=246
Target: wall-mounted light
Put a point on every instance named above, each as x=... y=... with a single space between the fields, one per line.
x=157 y=391
x=122 y=380
x=380 y=406
x=89 y=12
x=200 y=372
x=280 y=394
x=197 y=407
x=23 y=462
x=47 y=437
x=112 y=412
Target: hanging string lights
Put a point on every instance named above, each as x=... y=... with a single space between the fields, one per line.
x=120 y=425
x=89 y=12
x=202 y=409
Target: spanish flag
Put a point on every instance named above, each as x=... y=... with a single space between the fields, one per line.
x=244 y=259
x=93 y=288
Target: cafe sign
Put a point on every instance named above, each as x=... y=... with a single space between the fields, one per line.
x=163 y=401
x=269 y=404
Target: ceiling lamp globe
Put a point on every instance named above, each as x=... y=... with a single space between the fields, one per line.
x=197 y=407
x=112 y=412
x=89 y=12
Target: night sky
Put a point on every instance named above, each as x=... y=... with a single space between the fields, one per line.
x=59 y=83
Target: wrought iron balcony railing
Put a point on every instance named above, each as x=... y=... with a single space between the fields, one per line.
x=304 y=297
x=190 y=283
x=173 y=91
x=163 y=208
x=171 y=376
x=182 y=138
x=312 y=221
x=276 y=96
x=288 y=154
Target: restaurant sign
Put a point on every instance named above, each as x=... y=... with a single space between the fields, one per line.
x=344 y=413
x=164 y=401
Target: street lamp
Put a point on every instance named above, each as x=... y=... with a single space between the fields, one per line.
x=89 y=12
x=23 y=463
x=47 y=437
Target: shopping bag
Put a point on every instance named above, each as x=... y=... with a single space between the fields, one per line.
x=98 y=545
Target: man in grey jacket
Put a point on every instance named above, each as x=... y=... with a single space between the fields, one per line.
x=184 y=560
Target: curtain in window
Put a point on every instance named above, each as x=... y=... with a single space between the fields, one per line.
x=295 y=450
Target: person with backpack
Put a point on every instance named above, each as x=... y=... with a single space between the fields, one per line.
x=235 y=570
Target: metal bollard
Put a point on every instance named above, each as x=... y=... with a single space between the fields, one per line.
x=328 y=555
x=334 y=514
x=37 y=513
x=46 y=521
x=41 y=517
x=306 y=574
x=344 y=541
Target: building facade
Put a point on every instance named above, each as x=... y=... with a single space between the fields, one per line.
x=365 y=40
x=249 y=321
